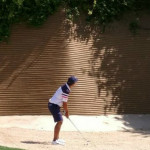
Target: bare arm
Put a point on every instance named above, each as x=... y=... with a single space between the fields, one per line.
x=65 y=106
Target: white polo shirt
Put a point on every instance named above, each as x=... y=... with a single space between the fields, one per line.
x=61 y=95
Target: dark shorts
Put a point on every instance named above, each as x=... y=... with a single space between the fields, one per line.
x=55 y=111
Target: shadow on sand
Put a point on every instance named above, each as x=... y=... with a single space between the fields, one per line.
x=36 y=142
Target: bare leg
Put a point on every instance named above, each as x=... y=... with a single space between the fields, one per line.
x=57 y=130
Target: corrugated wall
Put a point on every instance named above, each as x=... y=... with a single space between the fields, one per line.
x=113 y=68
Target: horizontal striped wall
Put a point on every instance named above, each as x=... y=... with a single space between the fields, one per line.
x=113 y=68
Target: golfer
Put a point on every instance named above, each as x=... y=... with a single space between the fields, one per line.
x=58 y=100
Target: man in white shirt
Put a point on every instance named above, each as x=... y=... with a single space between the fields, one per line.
x=58 y=100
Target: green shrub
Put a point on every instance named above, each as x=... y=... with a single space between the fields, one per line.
x=35 y=12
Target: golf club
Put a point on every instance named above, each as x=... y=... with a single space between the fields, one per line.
x=87 y=141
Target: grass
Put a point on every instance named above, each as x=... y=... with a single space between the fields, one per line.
x=8 y=148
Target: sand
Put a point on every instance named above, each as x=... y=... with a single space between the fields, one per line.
x=32 y=133
x=41 y=140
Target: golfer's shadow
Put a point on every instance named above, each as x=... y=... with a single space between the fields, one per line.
x=35 y=142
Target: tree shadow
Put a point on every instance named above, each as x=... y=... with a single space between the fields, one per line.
x=120 y=65
x=123 y=72
x=145 y=134
x=138 y=124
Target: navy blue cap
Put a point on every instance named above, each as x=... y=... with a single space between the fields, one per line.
x=72 y=80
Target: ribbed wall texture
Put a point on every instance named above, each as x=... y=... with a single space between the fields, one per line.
x=113 y=68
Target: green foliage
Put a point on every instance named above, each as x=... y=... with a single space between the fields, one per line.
x=102 y=12
x=134 y=25
x=33 y=12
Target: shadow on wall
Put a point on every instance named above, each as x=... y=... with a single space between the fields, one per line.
x=123 y=71
x=120 y=65
x=24 y=48
x=29 y=66
x=16 y=58
x=10 y=62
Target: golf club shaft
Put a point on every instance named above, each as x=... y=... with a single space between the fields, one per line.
x=77 y=129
